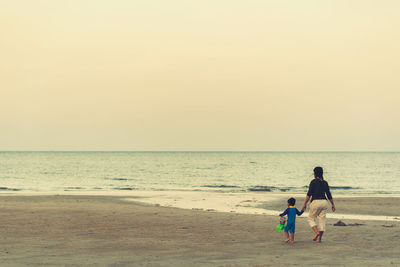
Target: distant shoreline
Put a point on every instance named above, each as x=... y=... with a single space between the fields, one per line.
x=209 y=151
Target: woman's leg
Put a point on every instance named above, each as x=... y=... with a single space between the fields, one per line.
x=316 y=233
x=312 y=215
x=321 y=219
x=320 y=236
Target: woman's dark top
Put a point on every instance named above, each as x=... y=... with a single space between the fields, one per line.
x=318 y=188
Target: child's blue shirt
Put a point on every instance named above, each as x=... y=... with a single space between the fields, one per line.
x=291 y=212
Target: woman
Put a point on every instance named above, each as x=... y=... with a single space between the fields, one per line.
x=318 y=191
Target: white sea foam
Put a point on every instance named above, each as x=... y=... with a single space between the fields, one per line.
x=243 y=203
x=213 y=201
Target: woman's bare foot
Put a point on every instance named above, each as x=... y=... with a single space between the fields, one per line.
x=320 y=236
x=316 y=237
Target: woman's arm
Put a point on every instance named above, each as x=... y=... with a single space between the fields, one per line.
x=329 y=195
x=308 y=196
x=333 y=205
x=305 y=203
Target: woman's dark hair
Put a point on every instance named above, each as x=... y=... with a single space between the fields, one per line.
x=319 y=172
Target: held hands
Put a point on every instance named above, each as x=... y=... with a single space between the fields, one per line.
x=303 y=208
x=333 y=208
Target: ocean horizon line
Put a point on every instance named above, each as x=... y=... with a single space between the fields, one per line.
x=212 y=151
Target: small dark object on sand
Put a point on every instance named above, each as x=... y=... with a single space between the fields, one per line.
x=355 y=224
x=340 y=223
x=388 y=225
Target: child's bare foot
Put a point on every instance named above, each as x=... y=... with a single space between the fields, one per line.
x=315 y=237
x=291 y=241
x=287 y=240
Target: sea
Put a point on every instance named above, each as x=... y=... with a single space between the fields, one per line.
x=346 y=172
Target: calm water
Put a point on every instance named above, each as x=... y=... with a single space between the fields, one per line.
x=264 y=171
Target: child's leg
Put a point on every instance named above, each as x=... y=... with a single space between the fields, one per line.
x=287 y=237
x=292 y=230
x=291 y=238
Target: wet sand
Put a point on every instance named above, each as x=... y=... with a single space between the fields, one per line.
x=106 y=231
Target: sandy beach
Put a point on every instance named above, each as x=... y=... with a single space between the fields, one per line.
x=108 y=231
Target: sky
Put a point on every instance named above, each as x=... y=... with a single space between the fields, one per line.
x=214 y=75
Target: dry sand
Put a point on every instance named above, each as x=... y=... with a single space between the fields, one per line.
x=106 y=231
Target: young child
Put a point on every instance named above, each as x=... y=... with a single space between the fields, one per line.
x=291 y=212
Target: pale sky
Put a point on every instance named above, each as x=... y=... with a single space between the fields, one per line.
x=200 y=75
